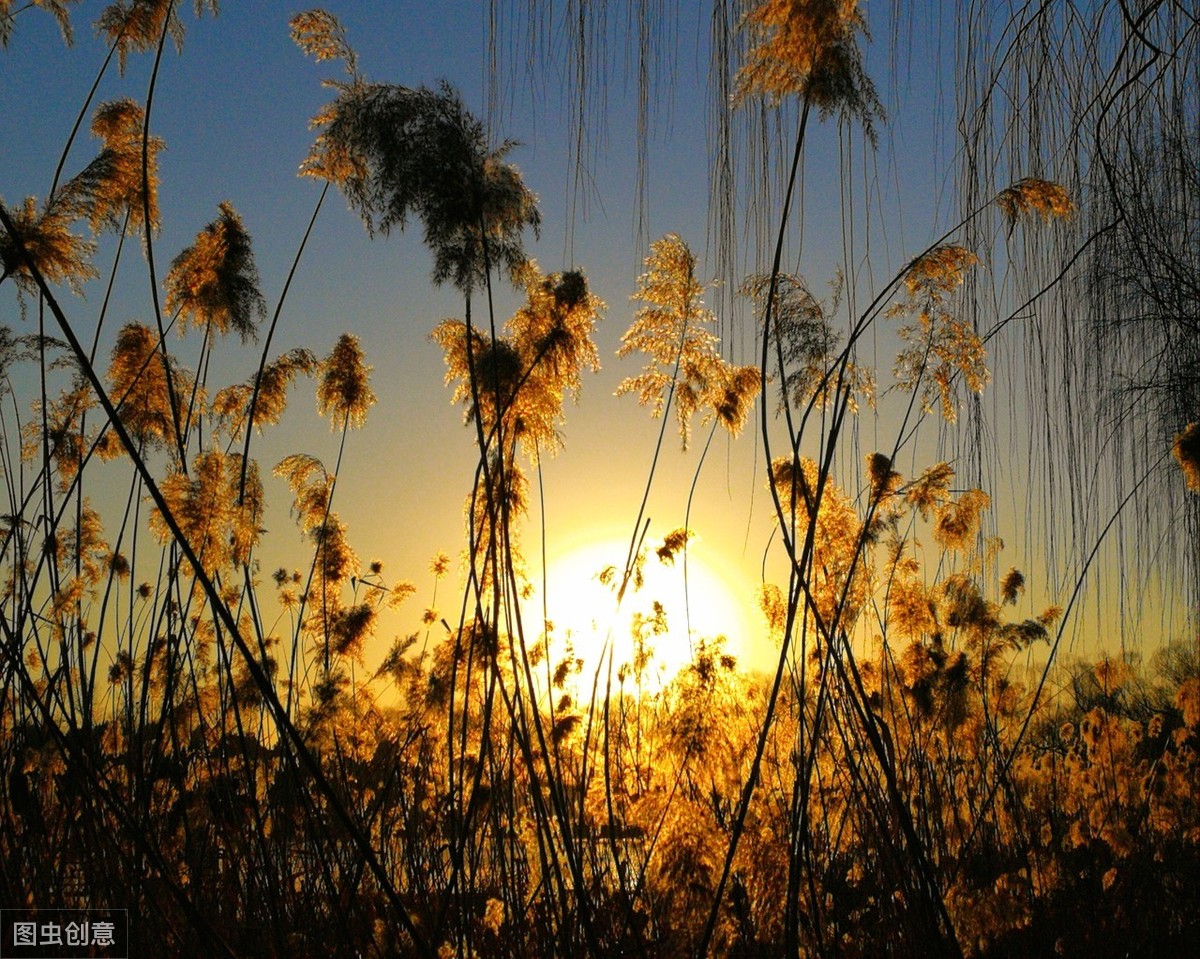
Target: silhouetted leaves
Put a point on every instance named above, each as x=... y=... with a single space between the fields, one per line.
x=398 y=152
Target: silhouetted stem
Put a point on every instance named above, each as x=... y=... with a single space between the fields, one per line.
x=739 y=821
x=262 y=360
x=147 y=221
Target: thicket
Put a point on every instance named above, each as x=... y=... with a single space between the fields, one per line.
x=205 y=748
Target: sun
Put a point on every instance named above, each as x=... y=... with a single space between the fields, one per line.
x=672 y=619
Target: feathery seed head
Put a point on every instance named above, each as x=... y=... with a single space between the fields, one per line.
x=1031 y=195
x=214 y=282
x=345 y=390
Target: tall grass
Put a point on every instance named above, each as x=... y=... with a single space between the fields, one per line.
x=204 y=745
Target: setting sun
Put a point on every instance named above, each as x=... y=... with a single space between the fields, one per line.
x=585 y=611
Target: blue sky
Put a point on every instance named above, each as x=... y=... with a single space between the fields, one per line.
x=233 y=110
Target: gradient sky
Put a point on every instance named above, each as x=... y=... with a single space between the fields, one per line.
x=233 y=110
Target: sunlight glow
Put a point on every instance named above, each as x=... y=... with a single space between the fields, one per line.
x=585 y=612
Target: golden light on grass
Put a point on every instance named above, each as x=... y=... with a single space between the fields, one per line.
x=585 y=612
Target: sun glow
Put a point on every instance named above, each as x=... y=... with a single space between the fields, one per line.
x=584 y=612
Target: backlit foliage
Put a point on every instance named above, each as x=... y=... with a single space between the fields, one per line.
x=942 y=346
x=205 y=502
x=521 y=379
x=137 y=26
x=809 y=48
x=674 y=330
x=138 y=384
x=809 y=345
x=214 y=282
x=319 y=34
x=958 y=521
x=59 y=255
x=59 y=9
x=311 y=487
x=112 y=192
x=232 y=404
x=344 y=391
x=554 y=329
x=673 y=544
x=109 y=190
x=108 y=193
x=930 y=491
x=731 y=395
x=839 y=582
x=64 y=436
x=1047 y=200
x=493 y=513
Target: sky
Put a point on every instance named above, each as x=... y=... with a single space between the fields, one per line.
x=233 y=110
